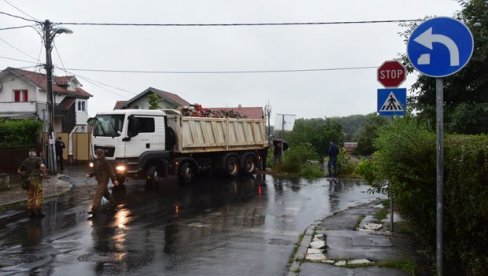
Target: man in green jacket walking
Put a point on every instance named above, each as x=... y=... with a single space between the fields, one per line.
x=103 y=173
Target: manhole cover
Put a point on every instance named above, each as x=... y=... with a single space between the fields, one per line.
x=371 y=241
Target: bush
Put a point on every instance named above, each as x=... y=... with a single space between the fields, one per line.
x=346 y=164
x=295 y=161
x=19 y=133
x=466 y=204
x=368 y=169
x=407 y=157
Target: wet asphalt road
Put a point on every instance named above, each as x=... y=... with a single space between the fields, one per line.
x=244 y=226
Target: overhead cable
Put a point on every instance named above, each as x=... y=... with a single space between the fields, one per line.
x=19 y=17
x=221 y=72
x=237 y=24
x=20 y=51
x=17 y=27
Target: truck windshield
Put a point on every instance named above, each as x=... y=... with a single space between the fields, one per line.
x=108 y=125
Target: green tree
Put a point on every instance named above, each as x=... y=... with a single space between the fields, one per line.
x=153 y=101
x=351 y=125
x=369 y=133
x=317 y=132
x=466 y=92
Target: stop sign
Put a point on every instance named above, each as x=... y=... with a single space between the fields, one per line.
x=391 y=73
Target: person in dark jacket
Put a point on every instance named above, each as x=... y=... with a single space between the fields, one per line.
x=103 y=173
x=31 y=171
x=333 y=151
x=59 y=145
x=277 y=151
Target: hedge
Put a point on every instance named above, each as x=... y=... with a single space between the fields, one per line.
x=19 y=133
x=407 y=157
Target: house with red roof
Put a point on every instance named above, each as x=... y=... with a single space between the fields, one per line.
x=23 y=94
x=166 y=100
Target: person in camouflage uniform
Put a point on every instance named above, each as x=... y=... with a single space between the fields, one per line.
x=103 y=173
x=31 y=170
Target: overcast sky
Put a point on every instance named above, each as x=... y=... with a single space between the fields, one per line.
x=244 y=48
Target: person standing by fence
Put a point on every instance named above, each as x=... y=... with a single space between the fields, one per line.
x=59 y=152
x=31 y=171
x=333 y=151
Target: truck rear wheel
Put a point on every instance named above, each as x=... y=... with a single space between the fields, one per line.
x=249 y=165
x=232 y=166
x=186 y=174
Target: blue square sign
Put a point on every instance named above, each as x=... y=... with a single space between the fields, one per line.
x=392 y=102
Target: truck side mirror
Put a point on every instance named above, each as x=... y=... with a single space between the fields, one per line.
x=133 y=126
x=91 y=121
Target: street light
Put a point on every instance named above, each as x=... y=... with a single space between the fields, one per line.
x=49 y=34
x=267 y=110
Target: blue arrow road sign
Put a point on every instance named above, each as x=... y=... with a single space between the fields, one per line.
x=392 y=102
x=440 y=47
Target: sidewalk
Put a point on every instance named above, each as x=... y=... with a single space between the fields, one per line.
x=350 y=243
x=15 y=196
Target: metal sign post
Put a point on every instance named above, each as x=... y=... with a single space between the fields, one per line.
x=439 y=91
x=440 y=47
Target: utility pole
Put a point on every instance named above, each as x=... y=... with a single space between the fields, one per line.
x=49 y=34
x=267 y=109
x=51 y=156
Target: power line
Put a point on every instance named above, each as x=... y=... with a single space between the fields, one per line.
x=16 y=59
x=223 y=72
x=95 y=82
x=20 y=51
x=108 y=90
x=237 y=24
x=59 y=56
x=10 y=4
x=19 y=17
x=13 y=28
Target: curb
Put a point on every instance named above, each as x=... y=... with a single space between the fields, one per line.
x=302 y=250
x=300 y=255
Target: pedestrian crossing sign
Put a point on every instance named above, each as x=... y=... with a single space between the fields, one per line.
x=392 y=102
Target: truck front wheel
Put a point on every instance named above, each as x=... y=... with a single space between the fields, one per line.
x=120 y=178
x=232 y=166
x=186 y=174
x=152 y=178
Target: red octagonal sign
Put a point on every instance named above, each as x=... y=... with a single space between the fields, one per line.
x=391 y=73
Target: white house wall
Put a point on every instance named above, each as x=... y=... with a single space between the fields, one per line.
x=7 y=104
x=81 y=116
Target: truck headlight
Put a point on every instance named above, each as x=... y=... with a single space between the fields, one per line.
x=120 y=168
x=90 y=165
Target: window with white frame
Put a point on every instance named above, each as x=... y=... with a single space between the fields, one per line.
x=81 y=106
x=21 y=96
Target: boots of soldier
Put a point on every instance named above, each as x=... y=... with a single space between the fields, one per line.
x=39 y=213
x=31 y=213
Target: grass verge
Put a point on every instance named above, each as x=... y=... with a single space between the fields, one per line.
x=406 y=265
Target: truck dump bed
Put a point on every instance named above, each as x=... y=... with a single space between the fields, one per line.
x=204 y=134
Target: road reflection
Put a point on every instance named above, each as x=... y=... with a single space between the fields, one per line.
x=214 y=224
